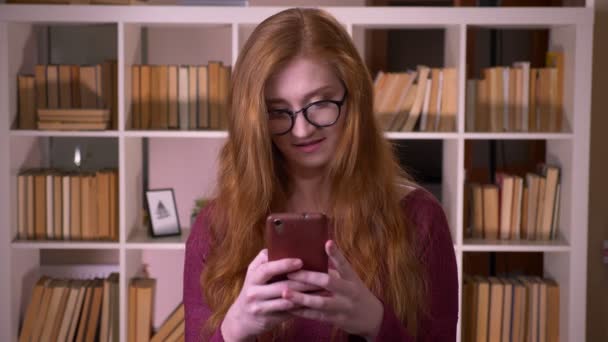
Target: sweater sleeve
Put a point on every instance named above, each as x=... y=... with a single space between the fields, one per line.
x=196 y=309
x=439 y=264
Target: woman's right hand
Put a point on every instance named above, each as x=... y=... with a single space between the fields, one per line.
x=260 y=306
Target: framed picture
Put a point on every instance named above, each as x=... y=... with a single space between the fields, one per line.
x=162 y=211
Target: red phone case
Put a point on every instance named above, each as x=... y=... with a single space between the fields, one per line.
x=303 y=236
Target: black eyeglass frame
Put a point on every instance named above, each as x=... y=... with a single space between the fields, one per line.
x=304 y=109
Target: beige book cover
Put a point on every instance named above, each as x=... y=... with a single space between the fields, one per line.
x=65 y=86
x=33 y=308
x=173 y=97
x=40 y=85
x=145 y=75
x=52 y=86
x=449 y=100
x=490 y=212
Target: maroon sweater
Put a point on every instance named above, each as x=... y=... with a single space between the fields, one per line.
x=436 y=253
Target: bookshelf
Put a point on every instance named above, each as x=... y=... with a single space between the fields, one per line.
x=565 y=258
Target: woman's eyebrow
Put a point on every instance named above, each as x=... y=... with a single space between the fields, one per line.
x=307 y=96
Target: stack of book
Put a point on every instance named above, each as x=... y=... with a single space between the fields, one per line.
x=423 y=100
x=185 y=97
x=52 y=205
x=72 y=310
x=69 y=97
x=515 y=208
x=517 y=98
x=510 y=309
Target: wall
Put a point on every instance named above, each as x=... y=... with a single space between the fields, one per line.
x=597 y=271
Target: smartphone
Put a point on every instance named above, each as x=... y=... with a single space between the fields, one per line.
x=293 y=235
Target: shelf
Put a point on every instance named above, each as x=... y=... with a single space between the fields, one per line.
x=176 y=134
x=517 y=136
x=30 y=244
x=141 y=239
x=421 y=135
x=371 y=17
x=36 y=133
x=155 y=34
x=479 y=245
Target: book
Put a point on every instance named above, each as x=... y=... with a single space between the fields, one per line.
x=470 y=103
x=495 y=309
x=490 y=212
x=516 y=208
x=482 y=311
x=141 y=295
x=434 y=103
x=50 y=219
x=183 y=95
x=482 y=110
x=33 y=308
x=170 y=325
x=213 y=71
x=478 y=211
x=26 y=102
x=145 y=96
x=173 y=97
x=555 y=59
x=193 y=97
x=92 y=322
x=449 y=100
x=506 y=202
x=65 y=86
x=52 y=86
x=549 y=200
x=224 y=85
x=163 y=97
x=203 y=97
x=135 y=97
x=40 y=86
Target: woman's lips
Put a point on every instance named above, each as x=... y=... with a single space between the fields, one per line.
x=309 y=146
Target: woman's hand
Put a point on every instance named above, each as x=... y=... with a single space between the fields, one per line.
x=351 y=306
x=260 y=306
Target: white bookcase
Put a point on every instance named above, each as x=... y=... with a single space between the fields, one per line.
x=570 y=28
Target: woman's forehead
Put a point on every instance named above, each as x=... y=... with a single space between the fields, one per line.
x=299 y=78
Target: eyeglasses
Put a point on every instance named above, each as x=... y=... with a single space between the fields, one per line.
x=322 y=113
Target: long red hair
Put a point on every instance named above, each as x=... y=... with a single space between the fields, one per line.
x=370 y=226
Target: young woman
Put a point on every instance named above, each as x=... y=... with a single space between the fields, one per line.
x=303 y=138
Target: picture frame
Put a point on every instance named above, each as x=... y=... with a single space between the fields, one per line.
x=162 y=212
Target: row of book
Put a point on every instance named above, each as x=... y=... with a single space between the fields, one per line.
x=185 y=97
x=424 y=100
x=513 y=309
x=72 y=310
x=516 y=207
x=53 y=205
x=517 y=98
x=141 y=299
x=67 y=96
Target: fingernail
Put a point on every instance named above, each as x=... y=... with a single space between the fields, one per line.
x=297 y=263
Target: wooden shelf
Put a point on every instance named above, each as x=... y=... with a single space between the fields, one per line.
x=32 y=244
x=569 y=28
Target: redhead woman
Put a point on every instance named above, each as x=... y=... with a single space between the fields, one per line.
x=303 y=138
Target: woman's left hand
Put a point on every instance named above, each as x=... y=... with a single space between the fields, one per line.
x=351 y=306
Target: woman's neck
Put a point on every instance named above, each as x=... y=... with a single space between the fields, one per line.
x=310 y=191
